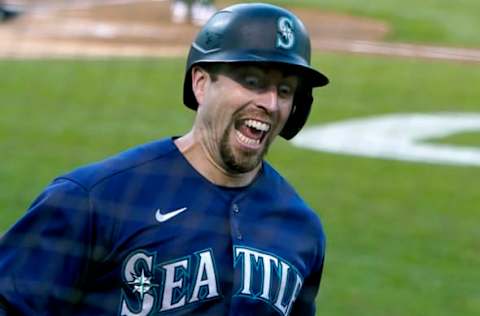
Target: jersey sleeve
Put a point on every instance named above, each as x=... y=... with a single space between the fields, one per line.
x=44 y=256
x=305 y=303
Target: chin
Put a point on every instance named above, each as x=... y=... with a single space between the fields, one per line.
x=240 y=162
x=239 y=159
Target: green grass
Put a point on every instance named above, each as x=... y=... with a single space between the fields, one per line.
x=363 y=86
x=58 y=114
x=402 y=237
x=460 y=139
x=432 y=21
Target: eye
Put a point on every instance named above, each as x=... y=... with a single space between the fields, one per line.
x=285 y=90
x=252 y=81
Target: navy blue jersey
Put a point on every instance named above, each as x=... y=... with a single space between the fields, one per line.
x=143 y=233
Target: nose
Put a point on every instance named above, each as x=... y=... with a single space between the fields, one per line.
x=268 y=99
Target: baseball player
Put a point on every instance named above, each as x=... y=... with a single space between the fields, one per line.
x=192 y=225
x=8 y=11
x=196 y=11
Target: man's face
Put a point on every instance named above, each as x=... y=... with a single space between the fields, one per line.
x=242 y=109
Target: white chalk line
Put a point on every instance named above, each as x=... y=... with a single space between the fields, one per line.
x=400 y=50
x=400 y=136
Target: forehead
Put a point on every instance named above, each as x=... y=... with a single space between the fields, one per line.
x=262 y=68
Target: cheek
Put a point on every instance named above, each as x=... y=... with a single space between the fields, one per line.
x=214 y=116
x=285 y=109
x=223 y=106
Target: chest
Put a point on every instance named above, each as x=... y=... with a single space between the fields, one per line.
x=204 y=252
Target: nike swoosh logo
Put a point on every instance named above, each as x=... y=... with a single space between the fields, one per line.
x=166 y=216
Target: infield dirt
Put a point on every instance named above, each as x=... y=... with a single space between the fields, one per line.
x=143 y=28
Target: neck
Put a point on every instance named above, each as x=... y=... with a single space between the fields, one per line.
x=195 y=153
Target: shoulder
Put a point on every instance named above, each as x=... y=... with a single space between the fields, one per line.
x=299 y=212
x=90 y=175
x=281 y=190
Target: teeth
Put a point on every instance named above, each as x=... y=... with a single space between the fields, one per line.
x=246 y=140
x=258 y=125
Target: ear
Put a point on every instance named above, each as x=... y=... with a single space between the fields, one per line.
x=200 y=79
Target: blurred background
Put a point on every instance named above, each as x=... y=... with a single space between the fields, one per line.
x=389 y=158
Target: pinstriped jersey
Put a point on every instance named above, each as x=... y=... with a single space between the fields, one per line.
x=143 y=233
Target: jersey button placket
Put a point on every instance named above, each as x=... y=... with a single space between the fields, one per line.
x=235 y=208
x=236 y=211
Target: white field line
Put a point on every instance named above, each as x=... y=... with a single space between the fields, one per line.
x=103 y=31
x=401 y=136
x=400 y=49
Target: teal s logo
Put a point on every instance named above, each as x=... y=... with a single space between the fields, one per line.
x=285 y=33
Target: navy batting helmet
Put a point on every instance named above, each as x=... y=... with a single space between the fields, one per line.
x=263 y=33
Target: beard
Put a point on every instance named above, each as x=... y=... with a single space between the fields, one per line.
x=240 y=162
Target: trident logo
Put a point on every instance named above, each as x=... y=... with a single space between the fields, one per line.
x=285 y=35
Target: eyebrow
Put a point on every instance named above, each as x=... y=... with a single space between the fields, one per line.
x=285 y=71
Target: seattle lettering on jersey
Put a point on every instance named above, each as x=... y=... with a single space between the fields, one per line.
x=175 y=290
x=193 y=279
x=258 y=269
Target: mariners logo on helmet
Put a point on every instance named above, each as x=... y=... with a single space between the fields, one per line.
x=285 y=35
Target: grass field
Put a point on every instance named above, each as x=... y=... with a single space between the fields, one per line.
x=403 y=238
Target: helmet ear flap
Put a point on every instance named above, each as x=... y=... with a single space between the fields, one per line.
x=188 y=97
x=302 y=103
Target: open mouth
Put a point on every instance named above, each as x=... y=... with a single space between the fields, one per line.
x=251 y=132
